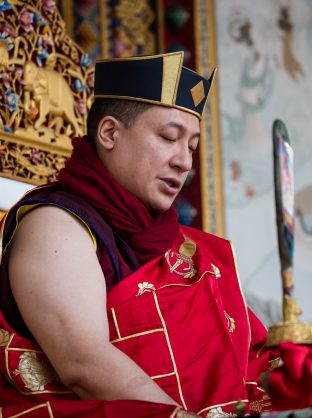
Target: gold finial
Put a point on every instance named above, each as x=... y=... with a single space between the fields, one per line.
x=291 y=310
x=291 y=329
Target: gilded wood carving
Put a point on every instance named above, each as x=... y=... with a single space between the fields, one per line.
x=45 y=90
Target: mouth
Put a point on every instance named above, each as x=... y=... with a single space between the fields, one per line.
x=170 y=185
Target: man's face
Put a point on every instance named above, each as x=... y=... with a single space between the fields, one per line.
x=152 y=158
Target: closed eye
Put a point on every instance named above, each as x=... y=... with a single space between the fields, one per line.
x=193 y=148
x=166 y=138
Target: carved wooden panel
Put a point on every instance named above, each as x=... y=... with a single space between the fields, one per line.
x=45 y=90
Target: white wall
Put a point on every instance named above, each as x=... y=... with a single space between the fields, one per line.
x=11 y=191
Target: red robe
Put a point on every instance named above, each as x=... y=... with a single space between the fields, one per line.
x=182 y=318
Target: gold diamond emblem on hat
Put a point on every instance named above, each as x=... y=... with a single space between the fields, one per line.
x=198 y=93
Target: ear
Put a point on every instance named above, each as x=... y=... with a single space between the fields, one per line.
x=108 y=132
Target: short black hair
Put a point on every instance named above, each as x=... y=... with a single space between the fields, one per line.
x=125 y=111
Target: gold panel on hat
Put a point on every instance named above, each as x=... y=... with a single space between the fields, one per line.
x=172 y=67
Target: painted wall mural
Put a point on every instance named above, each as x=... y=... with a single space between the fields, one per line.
x=265 y=67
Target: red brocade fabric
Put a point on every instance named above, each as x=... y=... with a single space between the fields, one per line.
x=85 y=176
x=290 y=385
x=192 y=333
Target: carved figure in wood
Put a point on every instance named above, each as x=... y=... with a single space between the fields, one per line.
x=51 y=93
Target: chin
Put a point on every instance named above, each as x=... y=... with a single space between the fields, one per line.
x=160 y=206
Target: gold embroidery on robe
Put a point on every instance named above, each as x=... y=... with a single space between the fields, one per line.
x=219 y=413
x=34 y=372
x=261 y=405
x=184 y=414
x=4 y=337
x=255 y=406
x=182 y=263
x=145 y=287
x=230 y=321
x=216 y=271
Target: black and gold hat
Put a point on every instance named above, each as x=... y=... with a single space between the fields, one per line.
x=157 y=79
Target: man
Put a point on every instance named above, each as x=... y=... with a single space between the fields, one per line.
x=104 y=296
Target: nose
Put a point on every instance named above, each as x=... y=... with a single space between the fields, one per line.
x=182 y=159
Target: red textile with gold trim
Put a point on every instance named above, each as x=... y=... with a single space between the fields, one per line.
x=199 y=325
x=182 y=318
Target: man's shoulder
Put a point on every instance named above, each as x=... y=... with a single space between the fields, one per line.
x=45 y=197
x=49 y=224
x=47 y=209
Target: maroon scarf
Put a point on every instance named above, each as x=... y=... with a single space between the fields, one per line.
x=85 y=176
